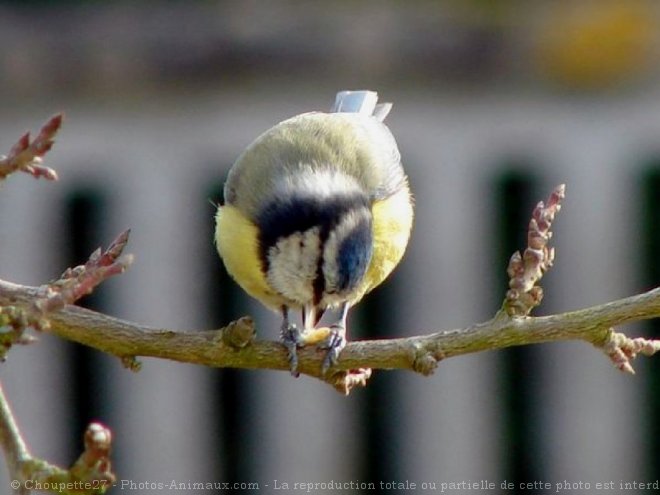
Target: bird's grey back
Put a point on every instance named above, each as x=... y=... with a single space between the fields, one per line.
x=351 y=144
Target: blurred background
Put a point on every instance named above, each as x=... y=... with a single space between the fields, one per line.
x=495 y=103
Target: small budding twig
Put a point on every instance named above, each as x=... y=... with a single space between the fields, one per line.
x=73 y=284
x=346 y=380
x=27 y=156
x=91 y=474
x=622 y=349
x=94 y=463
x=81 y=280
x=527 y=269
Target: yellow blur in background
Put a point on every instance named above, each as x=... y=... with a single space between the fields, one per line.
x=598 y=44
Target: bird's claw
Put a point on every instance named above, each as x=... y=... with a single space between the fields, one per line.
x=334 y=340
x=292 y=338
x=334 y=343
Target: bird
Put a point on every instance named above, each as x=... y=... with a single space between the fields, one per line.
x=317 y=212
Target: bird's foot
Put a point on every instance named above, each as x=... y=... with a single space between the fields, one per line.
x=334 y=343
x=292 y=338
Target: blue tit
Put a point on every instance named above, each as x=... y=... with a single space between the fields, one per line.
x=317 y=213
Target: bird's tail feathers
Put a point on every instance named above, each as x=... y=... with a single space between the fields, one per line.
x=361 y=101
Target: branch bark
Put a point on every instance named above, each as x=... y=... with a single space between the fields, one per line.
x=234 y=346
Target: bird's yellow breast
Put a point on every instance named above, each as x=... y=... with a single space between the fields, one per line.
x=392 y=223
x=237 y=240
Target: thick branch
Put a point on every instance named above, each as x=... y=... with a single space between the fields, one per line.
x=221 y=348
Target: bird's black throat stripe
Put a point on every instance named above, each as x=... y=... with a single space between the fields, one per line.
x=282 y=217
x=319 y=281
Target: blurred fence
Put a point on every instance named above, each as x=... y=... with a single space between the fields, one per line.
x=555 y=413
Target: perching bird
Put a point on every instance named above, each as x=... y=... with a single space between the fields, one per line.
x=317 y=213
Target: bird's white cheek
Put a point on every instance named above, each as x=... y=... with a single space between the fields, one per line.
x=293 y=265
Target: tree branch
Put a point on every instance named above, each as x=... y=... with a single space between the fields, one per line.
x=233 y=346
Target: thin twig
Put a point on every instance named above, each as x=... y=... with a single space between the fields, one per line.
x=81 y=280
x=91 y=473
x=27 y=155
x=73 y=284
x=13 y=446
x=526 y=270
